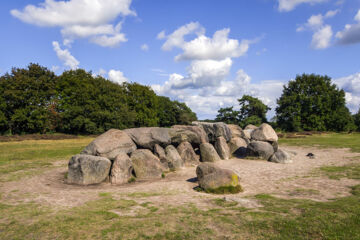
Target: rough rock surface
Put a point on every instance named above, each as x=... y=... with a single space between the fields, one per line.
x=280 y=156
x=160 y=153
x=88 y=169
x=260 y=149
x=264 y=133
x=182 y=135
x=149 y=136
x=246 y=134
x=222 y=148
x=238 y=147
x=174 y=160
x=110 y=144
x=121 y=170
x=208 y=153
x=235 y=130
x=250 y=126
x=196 y=129
x=215 y=130
x=211 y=176
x=188 y=154
x=146 y=164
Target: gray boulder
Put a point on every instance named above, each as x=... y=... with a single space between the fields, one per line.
x=146 y=164
x=264 y=133
x=250 y=126
x=160 y=153
x=215 y=130
x=208 y=153
x=121 y=170
x=196 y=129
x=280 y=156
x=182 y=135
x=110 y=144
x=174 y=160
x=222 y=148
x=238 y=147
x=212 y=177
x=260 y=149
x=88 y=169
x=246 y=134
x=149 y=136
x=235 y=130
x=188 y=154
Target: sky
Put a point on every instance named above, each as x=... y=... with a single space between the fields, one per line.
x=206 y=53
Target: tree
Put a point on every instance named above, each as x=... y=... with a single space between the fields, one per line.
x=228 y=115
x=356 y=118
x=252 y=111
x=312 y=102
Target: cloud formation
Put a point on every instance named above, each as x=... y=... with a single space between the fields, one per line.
x=117 y=76
x=289 y=5
x=351 y=86
x=351 y=32
x=65 y=56
x=80 y=19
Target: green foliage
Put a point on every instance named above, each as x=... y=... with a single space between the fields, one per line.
x=356 y=118
x=35 y=100
x=313 y=103
x=225 y=190
x=228 y=115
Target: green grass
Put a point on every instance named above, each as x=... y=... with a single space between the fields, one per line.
x=329 y=140
x=351 y=171
x=27 y=158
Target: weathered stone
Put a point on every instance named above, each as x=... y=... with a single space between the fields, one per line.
x=87 y=169
x=182 y=135
x=149 y=136
x=121 y=170
x=222 y=148
x=235 y=130
x=264 y=133
x=250 y=126
x=215 y=130
x=275 y=146
x=260 y=149
x=208 y=153
x=174 y=160
x=188 y=154
x=211 y=177
x=280 y=157
x=110 y=144
x=160 y=153
x=246 y=134
x=238 y=147
x=146 y=164
x=196 y=129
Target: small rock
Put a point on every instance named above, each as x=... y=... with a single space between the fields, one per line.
x=280 y=156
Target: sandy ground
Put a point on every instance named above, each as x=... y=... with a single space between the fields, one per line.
x=282 y=180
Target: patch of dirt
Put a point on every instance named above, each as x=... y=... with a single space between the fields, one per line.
x=297 y=179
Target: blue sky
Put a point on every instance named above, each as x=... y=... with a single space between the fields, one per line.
x=207 y=53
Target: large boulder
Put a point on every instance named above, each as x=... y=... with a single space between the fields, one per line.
x=121 y=170
x=182 y=135
x=264 y=133
x=212 y=177
x=222 y=148
x=246 y=134
x=196 y=129
x=88 y=169
x=235 y=130
x=188 y=154
x=238 y=147
x=250 y=126
x=280 y=156
x=110 y=144
x=215 y=130
x=208 y=153
x=146 y=164
x=174 y=160
x=147 y=137
x=260 y=149
x=160 y=153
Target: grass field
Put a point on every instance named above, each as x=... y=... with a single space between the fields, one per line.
x=277 y=219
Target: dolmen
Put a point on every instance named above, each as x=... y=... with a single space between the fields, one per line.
x=120 y=156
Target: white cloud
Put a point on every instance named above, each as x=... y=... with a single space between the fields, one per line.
x=351 y=32
x=117 y=76
x=65 y=56
x=289 y=5
x=161 y=35
x=351 y=86
x=144 y=47
x=80 y=18
x=323 y=34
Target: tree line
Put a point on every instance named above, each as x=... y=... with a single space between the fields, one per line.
x=308 y=103
x=35 y=100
